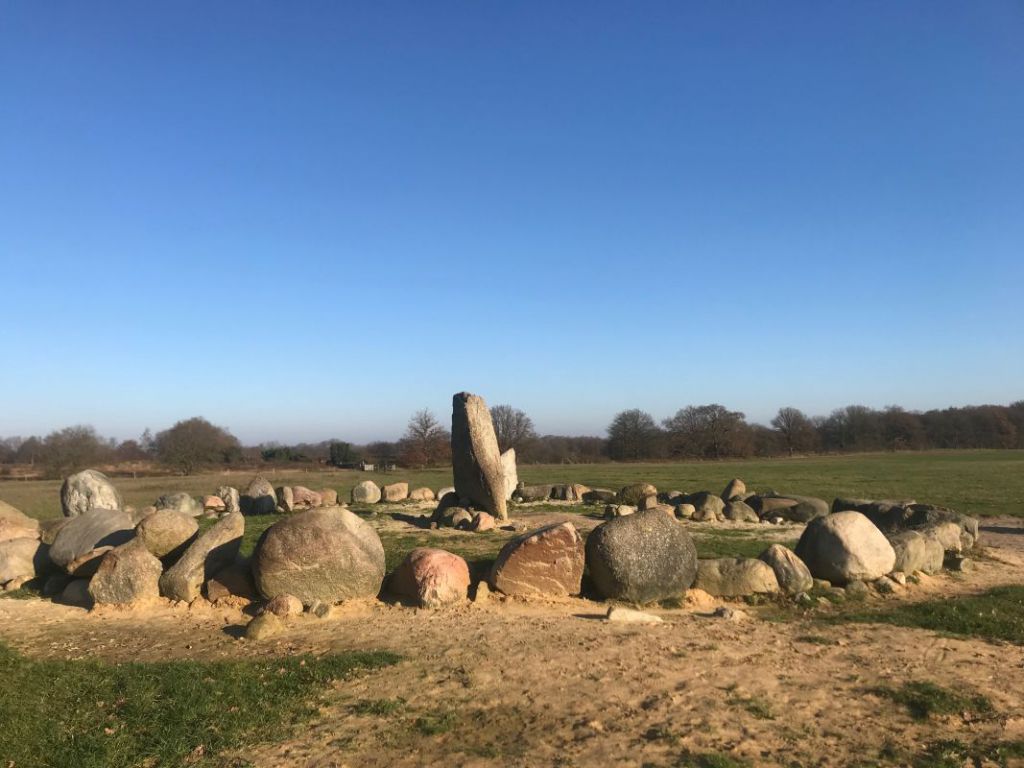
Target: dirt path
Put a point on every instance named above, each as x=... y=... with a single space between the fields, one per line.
x=550 y=684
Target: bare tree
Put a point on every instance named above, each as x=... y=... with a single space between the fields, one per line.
x=194 y=442
x=72 y=449
x=633 y=435
x=426 y=442
x=711 y=431
x=797 y=431
x=513 y=428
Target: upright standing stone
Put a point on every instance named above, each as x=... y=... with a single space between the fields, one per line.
x=230 y=497
x=548 y=561
x=476 y=461
x=508 y=470
x=259 y=498
x=87 y=490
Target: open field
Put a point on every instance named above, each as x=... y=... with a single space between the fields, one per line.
x=928 y=677
x=983 y=483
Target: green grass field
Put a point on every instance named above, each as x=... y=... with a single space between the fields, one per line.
x=975 y=482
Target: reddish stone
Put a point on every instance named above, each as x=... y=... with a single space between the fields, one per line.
x=548 y=561
x=431 y=578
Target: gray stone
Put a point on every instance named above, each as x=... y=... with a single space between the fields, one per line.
x=790 y=571
x=264 y=626
x=685 y=511
x=476 y=461
x=641 y=558
x=285 y=499
x=734 y=490
x=213 y=550
x=182 y=503
x=599 y=496
x=545 y=562
x=844 y=547
x=740 y=512
x=81 y=543
x=916 y=552
x=259 y=498
x=735 y=577
x=231 y=498
x=167 y=534
x=366 y=492
x=805 y=509
x=22 y=557
x=327 y=554
x=88 y=490
x=635 y=493
x=509 y=472
x=533 y=492
x=76 y=593
x=127 y=574
x=707 y=506
x=618 y=510
x=283 y=606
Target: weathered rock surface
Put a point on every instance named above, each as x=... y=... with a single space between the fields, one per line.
x=87 y=490
x=431 y=578
x=805 y=508
x=916 y=552
x=233 y=582
x=740 y=512
x=685 y=511
x=476 y=461
x=76 y=592
x=509 y=472
x=770 y=506
x=14 y=524
x=81 y=543
x=127 y=574
x=213 y=504
x=707 y=506
x=548 y=561
x=483 y=521
x=284 y=606
x=305 y=498
x=328 y=497
x=618 y=510
x=633 y=494
x=264 y=626
x=231 y=498
x=421 y=494
x=791 y=572
x=844 y=547
x=285 y=499
x=167 y=534
x=533 y=492
x=259 y=498
x=213 y=550
x=736 y=489
x=394 y=492
x=619 y=615
x=182 y=503
x=22 y=557
x=366 y=492
x=641 y=557
x=327 y=554
x=734 y=577
x=599 y=496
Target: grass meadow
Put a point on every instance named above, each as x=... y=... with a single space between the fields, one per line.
x=983 y=483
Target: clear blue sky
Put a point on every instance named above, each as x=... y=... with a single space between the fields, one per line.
x=306 y=220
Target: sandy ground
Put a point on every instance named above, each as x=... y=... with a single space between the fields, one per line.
x=552 y=684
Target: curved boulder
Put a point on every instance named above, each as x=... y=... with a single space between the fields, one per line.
x=844 y=547
x=87 y=490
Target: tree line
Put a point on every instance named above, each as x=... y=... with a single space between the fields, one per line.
x=694 y=432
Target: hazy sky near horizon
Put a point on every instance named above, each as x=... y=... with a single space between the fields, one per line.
x=308 y=220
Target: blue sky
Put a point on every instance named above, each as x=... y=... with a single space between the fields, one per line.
x=307 y=220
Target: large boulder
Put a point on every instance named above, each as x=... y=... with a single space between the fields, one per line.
x=641 y=558
x=771 y=506
x=740 y=512
x=844 y=547
x=509 y=472
x=599 y=496
x=327 y=554
x=394 y=492
x=476 y=461
x=366 y=492
x=182 y=503
x=215 y=549
x=81 y=543
x=548 y=561
x=735 y=577
x=127 y=574
x=707 y=506
x=14 y=524
x=305 y=498
x=231 y=498
x=167 y=534
x=259 y=498
x=791 y=572
x=916 y=551
x=22 y=558
x=805 y=508
x=632 y=494
x=431 y=578
x=533 y=492
x=87 y=490
x=421 y=494
x=736 y=489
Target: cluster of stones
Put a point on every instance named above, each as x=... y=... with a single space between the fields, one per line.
x=322 y=553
